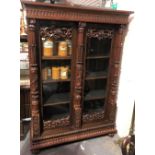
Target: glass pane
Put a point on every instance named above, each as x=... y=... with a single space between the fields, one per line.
x=93 y=106
x=95 y=89
x=56 y=64
x=56 y=93
x=96 y=47
x=96 y=74
x=56 y=112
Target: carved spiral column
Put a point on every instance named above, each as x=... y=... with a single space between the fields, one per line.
x=79 y=76
x=115 y=72
x=34 y=95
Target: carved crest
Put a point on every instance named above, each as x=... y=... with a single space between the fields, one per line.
x=100 y=34
x=47 y=32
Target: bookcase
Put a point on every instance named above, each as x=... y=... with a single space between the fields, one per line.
x=75 y=58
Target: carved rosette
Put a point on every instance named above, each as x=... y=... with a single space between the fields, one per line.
x=34 y=80
x=57 y=123
x=100 y=34
x=63 y=32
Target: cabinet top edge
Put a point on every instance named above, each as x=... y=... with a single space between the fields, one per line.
x=39 y=10
x=75 y=7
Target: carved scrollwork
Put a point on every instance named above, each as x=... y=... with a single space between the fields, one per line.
x=113 y=112
x=100 y=34
x=34 y=105
x=78 y=112
x=77 y=109
x=79 y=76
x=36 y=124
x=93 y=116
x=32 y=23
x=122 y=28
x=57 y=123
x=56 y=33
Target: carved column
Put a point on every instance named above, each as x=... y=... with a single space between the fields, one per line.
x=115 y=72
x=34 y=85
x=79 y=76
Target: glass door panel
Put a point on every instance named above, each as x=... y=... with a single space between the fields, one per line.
x=56 y=73
x=96 y=75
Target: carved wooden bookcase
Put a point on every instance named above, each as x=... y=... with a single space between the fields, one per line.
x=83 y=105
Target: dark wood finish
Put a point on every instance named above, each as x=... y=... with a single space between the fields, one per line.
x=94 y=78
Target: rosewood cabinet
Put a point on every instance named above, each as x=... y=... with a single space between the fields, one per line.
x=83 y=104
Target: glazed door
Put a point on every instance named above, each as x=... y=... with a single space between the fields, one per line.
x=57 y=41
x=96 y=72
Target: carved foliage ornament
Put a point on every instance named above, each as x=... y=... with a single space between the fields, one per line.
x=93 y=116
x=56 y=33
x=100 y=34
x=57 y=123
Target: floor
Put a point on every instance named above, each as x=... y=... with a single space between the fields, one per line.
x=97 y=146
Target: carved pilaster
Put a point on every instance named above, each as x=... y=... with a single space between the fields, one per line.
x=115 y=72
x=34 y=79
x=79 y=74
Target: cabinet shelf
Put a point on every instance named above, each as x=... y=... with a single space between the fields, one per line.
x=95 y=95
x=52 y=81
x=97 y=57
x=96 y=75
x=57 y=99
x=57 y=58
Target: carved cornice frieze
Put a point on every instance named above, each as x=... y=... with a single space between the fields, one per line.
x=100 y=34
x=69 y=14
x=56 y=33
